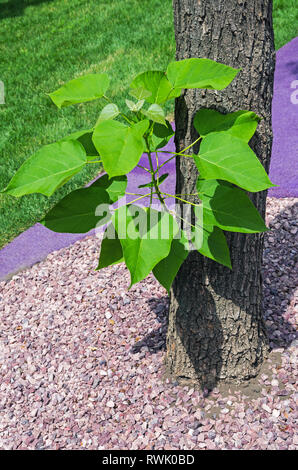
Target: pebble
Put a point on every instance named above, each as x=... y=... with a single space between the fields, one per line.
x=266 y=408
x=110 y=404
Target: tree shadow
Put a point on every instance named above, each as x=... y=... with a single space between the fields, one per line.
x=293 y=67
x=14 y=8
x=277 y=294
x=156 y=340
x=280 y=283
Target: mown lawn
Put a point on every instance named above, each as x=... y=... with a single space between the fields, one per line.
x=285 y=21
x=45 y=43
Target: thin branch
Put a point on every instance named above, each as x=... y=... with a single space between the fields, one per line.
x=143 y=168
x=180 y=199
x=157 y=172
x=95 y=161
x=135 y=200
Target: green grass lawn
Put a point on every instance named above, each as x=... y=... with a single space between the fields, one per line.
x=285 y=21
x=45 y=43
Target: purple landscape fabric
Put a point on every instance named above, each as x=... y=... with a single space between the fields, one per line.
x=37 y=242
x=284 y=159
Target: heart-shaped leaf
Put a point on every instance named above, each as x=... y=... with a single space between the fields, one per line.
x=211 y=242
x=85 y=138
x=155 y=113
x=111 y=249
x=80 y=211
x=166 y=270
x=156 y=83
x=241 y=124
x=115 y=187
x=161 y=135
x=228 y=207
x=110 y=111
x=140 y=93
x=87 y=88
x=134 y=107
x=145 y=236
x=200 y=73
x=223 y=156
x=48 y=169
x=119 y=146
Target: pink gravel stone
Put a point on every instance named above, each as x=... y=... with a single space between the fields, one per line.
x=71 y=379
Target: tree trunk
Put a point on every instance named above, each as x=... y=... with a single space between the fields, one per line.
x=216 y=332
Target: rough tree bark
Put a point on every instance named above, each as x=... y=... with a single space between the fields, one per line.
x=216 y=332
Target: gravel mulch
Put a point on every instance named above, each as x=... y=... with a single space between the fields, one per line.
x=81 y=359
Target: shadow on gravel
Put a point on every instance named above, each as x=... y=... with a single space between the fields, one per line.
x=280 y=261
x=156 y=340
x=14 y=8
x=280 y=276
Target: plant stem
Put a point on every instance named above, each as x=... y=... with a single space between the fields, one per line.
x=138 y=198
x=135 y=200
x=186 y=221
x=182 y=151
x=155 y=184
x=136 y=194
x=157 y=171
x=186 y=148
x=180 y=199
x=143 y=168
x=152 y=176
x=95 y=161
x=164 y=163
x=171 y=158
x=177 y=153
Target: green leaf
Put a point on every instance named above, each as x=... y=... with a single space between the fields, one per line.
x=145 y=236
x=200 y=73
x=166 y=270
x=80 y=211
x=223 y=156
x=119 y=146
x=151 y=185
x=110 y=111
x=228 y=207
x=87 y=88
x=85 y=138
x=115 y=187
x=155 y=113
x=48 y=169
x=241 y=124
x=134 y=107
x=211 y=242
x=111 y=249
x=140 y=93
x=161 y=135
x=157 y=84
